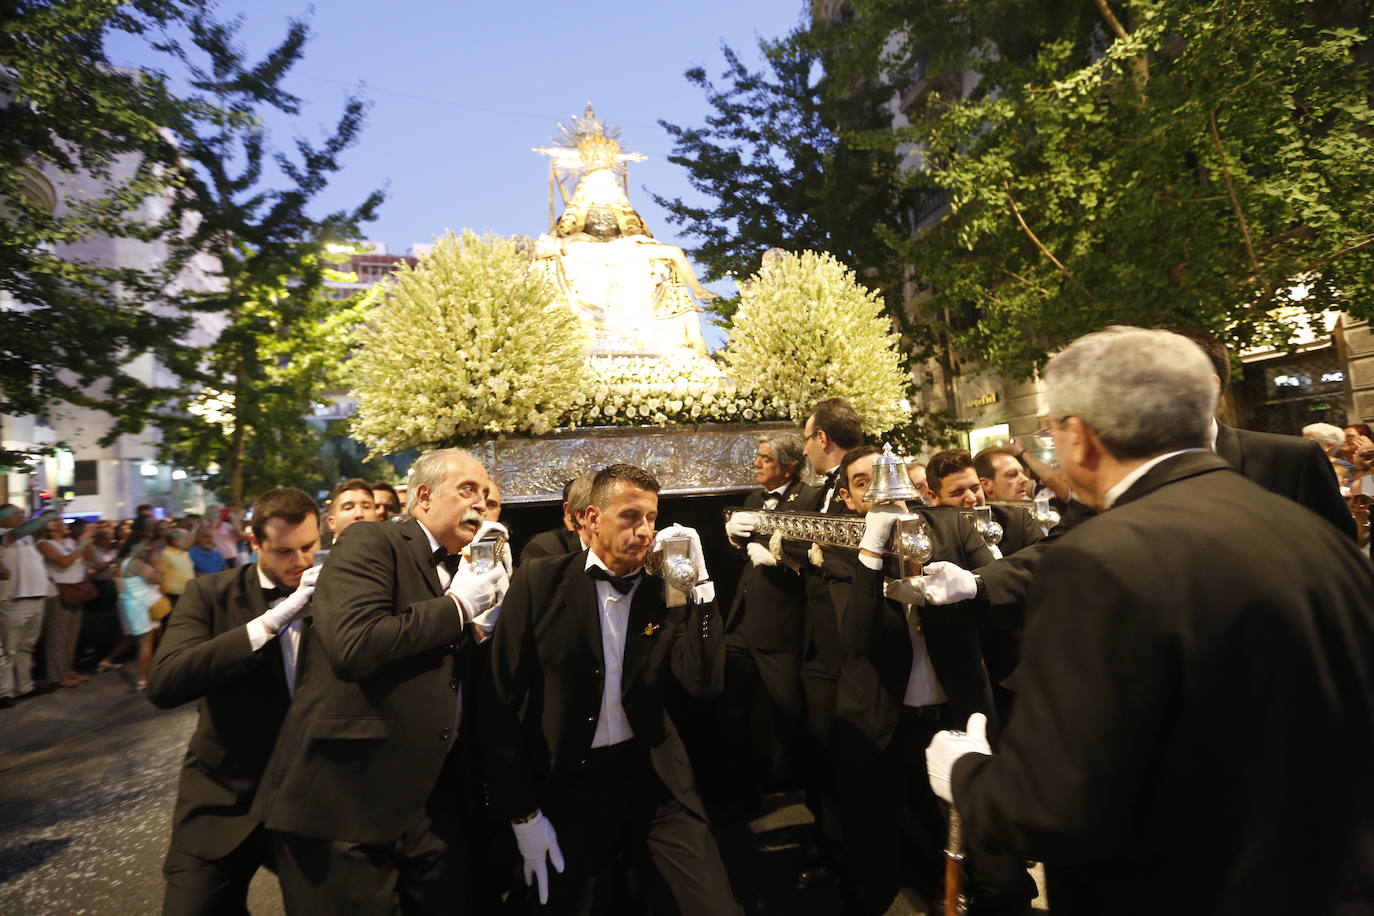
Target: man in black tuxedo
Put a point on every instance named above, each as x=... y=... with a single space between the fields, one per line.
x=558 y=541
x=581 y=755
x=763 y=631
x=832 y=429
x=364 y=790
x=1195 y=622
x=232 y=643
x=904 y=676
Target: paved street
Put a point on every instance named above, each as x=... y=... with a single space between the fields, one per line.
x=87 y=782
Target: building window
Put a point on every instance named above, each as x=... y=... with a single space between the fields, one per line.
x=1286 y=393
x=85 y=478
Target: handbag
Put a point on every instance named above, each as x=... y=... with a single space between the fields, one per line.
x=160 y=608
x=74 y=593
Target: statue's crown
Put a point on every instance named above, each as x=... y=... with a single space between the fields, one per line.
x=599 y=151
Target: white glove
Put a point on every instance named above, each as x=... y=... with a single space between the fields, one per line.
x=878 y=526
x=740 y=525
x=947 y=747
x=537 y=840
x=946 y=583
x=759 y=555
x=477 y=593
x=706 y=591
x=488 y=527
x=293 y=606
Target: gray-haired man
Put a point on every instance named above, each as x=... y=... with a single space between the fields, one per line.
x=1195 y=707
x=763 y=631
x=364 y=790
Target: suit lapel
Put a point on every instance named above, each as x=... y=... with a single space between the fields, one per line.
x=420 y=551
x=642 y=630
x=579 y=593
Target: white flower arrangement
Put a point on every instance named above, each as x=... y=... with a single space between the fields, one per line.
x=664 y=391
x=470 y=343
x=806 y=330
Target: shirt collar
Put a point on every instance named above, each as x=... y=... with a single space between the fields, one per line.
x=1124 y=484
x=594 y=560
x=433 y=544
x=1212 y=434
x=262 y=579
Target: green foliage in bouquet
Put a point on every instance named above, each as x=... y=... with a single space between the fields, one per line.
x=468 y=345
x=806 y=330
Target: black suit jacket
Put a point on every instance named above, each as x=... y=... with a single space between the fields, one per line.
x=1290 y=466
x=1194 y=728
x=543 y=695
x=877 y=645
x=205 y=655
x=771 y=600
x=373 y=715
x=552 y=543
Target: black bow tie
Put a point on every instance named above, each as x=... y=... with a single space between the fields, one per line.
x=622 y=584
x=450 y=560
x=272 y=594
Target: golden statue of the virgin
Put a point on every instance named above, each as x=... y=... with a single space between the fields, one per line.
x=634 y=295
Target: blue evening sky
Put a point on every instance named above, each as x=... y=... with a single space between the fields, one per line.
x=461 y=91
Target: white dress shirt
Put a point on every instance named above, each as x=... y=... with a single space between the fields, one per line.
x=922 y=686
x=289 y=635
x=613 y=610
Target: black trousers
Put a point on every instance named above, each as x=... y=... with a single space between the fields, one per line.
x=424 y=870
x=213 y=887
x=617 y=811
x=896 y=828
x=762 y=715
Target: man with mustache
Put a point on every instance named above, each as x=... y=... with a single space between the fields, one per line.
x=365 y=789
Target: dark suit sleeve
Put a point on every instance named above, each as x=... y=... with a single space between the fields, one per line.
x=699 y=662
x=358 y=627
x=863 y=605
x=1319 y=491
x=506 y=691
x=1008 y=580
x=193 y=659
x=1093 y=693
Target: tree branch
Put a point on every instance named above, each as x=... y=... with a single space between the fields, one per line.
x=1016 y=211
x=1231 y=192
x=1140 y=67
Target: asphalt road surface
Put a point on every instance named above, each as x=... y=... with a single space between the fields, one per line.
x=88 y=779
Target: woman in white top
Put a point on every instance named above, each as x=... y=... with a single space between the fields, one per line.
x=65 y=560
x=139 y=585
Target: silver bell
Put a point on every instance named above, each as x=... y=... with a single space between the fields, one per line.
x=987 y=526
x=890 y=482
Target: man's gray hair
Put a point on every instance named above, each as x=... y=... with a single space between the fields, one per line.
x=787 y=447
x=580 y=497
x=1325 y=434
x=429 y=470
x=1142 y=392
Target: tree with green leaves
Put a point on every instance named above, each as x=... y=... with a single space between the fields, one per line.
x=1128 y=161
x=281 y=338
x=776 y=171
x=71 y=326
x=469 y=344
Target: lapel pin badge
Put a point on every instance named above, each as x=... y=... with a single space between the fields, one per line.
x=791 y=497
x=650 y=629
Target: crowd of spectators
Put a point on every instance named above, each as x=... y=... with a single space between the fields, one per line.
x=79 y=597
